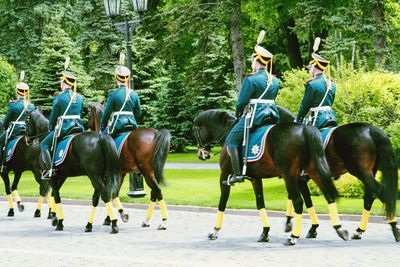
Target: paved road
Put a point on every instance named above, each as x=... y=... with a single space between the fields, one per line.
x=192 y=166
x=28 y=241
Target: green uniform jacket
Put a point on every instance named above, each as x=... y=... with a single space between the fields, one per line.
x=315 y=90
x=13 y=112
x=115 y=101
x=252 y=88
x=60 y=104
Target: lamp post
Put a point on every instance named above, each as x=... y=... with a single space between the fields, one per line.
x=112 y=8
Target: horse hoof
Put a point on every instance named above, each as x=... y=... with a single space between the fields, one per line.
x=396 y=233
x=51 y=215
x=37 y=214
x=124 y=217
x=214 y=234
x=343 y=234
x=107 y=221
x=60 y=225
x=162 y=227
x=10 y=213
x=312 y=233
x=291 y=241
x=21 y=207
x=114 y=227
x=288 y=227
x=54 y=221
x=146 y=224
x=357 y=234
x=88 y=228
x=263 y=238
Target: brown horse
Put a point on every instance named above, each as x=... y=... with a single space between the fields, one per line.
x=290 y=148
x=145 y=151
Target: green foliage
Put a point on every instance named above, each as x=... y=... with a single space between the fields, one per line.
x=8 y=80
x=348 y=186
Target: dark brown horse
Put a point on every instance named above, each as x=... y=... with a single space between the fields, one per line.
x=290 y=148
x=145 y=151
x=25 y=158
x=90 y=154
x=361 y=150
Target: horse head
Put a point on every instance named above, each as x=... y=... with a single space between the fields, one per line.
x=211 y=128
x=96 y=110
x=36 y=124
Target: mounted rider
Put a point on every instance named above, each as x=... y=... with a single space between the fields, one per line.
x=122 y=108
x=319 y=93
x=65 y=118
x=256 y=102
x=14 y=122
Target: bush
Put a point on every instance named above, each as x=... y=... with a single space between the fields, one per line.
x=347 y=186
x=8 y=80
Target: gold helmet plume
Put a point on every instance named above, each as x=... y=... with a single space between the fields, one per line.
x=68 y=77
x=263 y=55
x=123 y=74
x=320 y=62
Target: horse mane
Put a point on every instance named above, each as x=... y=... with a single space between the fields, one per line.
x=221 y=117
x=285 y=115
x=42 y=123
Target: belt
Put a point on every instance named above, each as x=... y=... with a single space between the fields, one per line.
x=70 y=117
x=121 y=113
x=261 y=101
x=18 y=122
x=325 y=108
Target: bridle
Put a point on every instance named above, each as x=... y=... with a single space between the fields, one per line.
x=208 y=146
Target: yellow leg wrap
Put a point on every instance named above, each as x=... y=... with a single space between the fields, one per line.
x=163 y=208
x=16 y=196
x=60 y=213
x=110 y=211
x=334 y=214
x=220 y=218
x=313 y=215
x=39 y=203
x=150 y=210
x=289 y=208
x=53 y=205
x=297 y=225
x=91 y=215
x=364 y=220
x=391 y=219
x=10 y=201
x=263 y=216
x=117 y=203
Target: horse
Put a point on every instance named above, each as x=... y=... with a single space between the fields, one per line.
x=90 y=154
x=290 y=148
x=145 y=150
x=360 y=149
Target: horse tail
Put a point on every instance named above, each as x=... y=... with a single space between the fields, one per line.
x=162 y=142
x=317 y=158
x=111 y=163
x=388 y=165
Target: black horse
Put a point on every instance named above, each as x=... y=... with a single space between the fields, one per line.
x=90 y=154
x=290 y=148
x=361 y=149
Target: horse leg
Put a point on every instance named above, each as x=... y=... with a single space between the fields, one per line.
x=289 y=215
x=117 y=202
x=368 y=200
x=43 y=191
x=51 y=204
x=10 y=200
x=150 y=209
x=225 y=191
x=258 y=191
x=294 y=193
x=95 y=202
x=305 y=192
x=99 y=186
x=14 y=186
x=56 y=183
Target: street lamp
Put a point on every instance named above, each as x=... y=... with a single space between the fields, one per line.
x=112 y=8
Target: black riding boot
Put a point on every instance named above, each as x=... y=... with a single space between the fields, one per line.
x=3 y=168
x=48 y=173
x=237 y=176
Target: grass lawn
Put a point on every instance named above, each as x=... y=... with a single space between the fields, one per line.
x=191 y=156
x=201 y=188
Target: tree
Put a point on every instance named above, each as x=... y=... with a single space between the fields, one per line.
x=8 y=80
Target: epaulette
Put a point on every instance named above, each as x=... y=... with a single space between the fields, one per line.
x=111 y=90
x=248 y=74
x=55 y=94
x=11 y=101
x=310 y=80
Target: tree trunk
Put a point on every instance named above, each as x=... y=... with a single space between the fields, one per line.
x=378 y=12
x=293 y=46
x=236 y=31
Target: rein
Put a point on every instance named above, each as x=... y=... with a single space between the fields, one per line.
x=212 y=143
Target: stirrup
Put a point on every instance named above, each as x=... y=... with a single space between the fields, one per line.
x=237 y=179
x=47 y=174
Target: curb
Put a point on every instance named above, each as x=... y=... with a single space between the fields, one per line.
x=240 y=212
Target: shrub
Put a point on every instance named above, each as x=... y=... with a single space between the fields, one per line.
x=8 y=80
x=347 y=186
